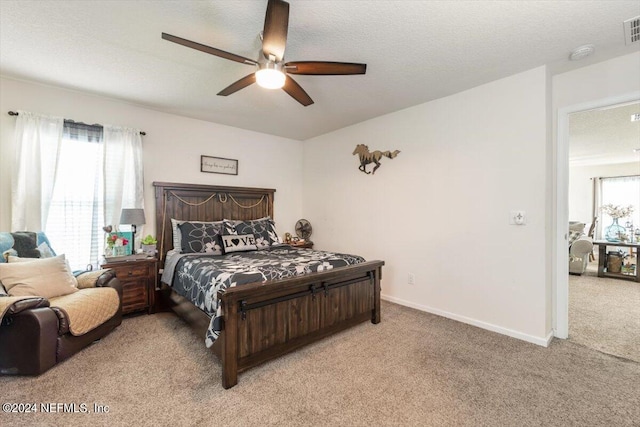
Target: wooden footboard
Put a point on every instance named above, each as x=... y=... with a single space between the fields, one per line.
x=265 y=320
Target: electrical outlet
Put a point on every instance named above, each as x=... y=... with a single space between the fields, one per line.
x=412 y=279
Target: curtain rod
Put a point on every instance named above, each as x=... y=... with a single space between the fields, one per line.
x=13 y=113
x=620 y=176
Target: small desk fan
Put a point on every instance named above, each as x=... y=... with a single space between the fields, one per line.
x=303 y=229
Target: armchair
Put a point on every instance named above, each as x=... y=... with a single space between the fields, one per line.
x=580 y=247
x=37 y=332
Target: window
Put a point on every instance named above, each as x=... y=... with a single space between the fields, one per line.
x=70 y=179
x=621 y=191
x=76 y=213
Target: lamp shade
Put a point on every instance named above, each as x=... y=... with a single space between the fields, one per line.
x=132 y=216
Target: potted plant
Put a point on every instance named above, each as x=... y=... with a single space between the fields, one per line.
x=149 y=245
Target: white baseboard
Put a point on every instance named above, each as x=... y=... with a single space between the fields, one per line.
x=542 y=341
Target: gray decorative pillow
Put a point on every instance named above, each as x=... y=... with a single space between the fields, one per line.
x=26 y=244
x=177 y=235
x=263 y=229
x=200 y=237
x=238 y=243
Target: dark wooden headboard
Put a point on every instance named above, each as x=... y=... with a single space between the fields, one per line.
x=195 y=202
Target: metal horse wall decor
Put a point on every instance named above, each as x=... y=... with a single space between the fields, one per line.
x=366 y=157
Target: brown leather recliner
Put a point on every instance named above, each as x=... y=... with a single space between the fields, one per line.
x=34 y=337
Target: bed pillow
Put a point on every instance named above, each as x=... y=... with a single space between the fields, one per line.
x=177 y=235
x=48 y=278
x=177 y=244
x=238 y=243
x=263 y=229
x=200 y=237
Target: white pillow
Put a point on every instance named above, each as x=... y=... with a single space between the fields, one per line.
x=48 y=278
x=177 y=237
x=238 y=243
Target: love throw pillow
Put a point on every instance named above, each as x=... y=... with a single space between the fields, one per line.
x=263 y=230
x=243 y=242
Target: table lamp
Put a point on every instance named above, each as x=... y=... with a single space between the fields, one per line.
x=132 y=217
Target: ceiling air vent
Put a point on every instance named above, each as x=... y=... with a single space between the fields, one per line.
x=632 y=30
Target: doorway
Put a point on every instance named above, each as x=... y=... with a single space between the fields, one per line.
x=561 y=276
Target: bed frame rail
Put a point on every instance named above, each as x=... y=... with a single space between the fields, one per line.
x=313 y=290
x=262 y=326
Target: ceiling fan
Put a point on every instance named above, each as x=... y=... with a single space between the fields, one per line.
x=272 y=72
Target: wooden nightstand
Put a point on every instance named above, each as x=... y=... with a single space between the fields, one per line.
x=138 y=280
x=307 y=244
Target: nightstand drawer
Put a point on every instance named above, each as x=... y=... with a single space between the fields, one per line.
x=132 y=271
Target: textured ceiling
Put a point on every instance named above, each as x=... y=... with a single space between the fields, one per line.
x=604 y=136
x=416 y=51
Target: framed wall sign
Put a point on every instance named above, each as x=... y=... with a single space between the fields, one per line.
x=218 y=165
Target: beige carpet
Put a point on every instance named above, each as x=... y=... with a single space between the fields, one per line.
x=413 y=369
x=604 y=313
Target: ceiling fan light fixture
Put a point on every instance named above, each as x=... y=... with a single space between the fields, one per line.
x=272 y=72
x=270 y=76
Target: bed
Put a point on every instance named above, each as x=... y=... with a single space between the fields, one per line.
x=265 y=319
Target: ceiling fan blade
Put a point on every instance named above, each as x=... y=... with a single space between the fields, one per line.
x=209 y=49
x=296 y=92
x=274 y=34
x=240 y=84
x=325 y=68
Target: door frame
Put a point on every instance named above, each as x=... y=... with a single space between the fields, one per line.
x=561 y=270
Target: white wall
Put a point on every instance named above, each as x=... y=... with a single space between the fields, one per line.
x=603 y=80
x=441 y=209
x=172 y=147
x=581 y=186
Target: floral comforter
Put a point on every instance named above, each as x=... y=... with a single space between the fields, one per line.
x=199 y=278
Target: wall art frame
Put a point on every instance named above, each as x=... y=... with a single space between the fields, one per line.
x=210 y=164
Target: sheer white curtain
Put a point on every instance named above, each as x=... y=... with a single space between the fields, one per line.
x=71 y=179
x=74 y=224
x=37 y=143
x=123 y=174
